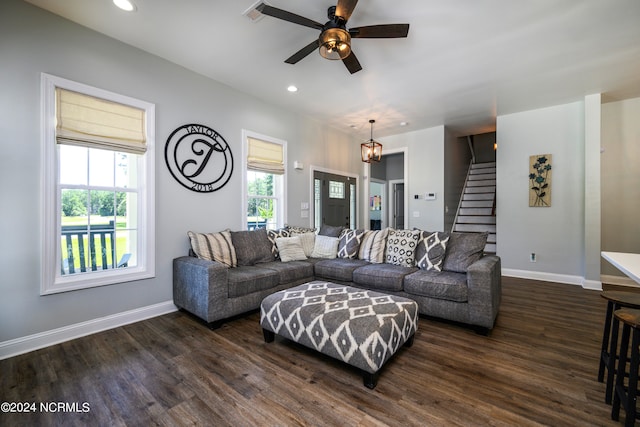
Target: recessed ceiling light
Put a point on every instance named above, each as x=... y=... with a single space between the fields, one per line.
x=126 y=5
x=404 y=123
x=292 y=88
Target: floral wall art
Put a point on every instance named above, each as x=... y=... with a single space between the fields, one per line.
x=540 y=180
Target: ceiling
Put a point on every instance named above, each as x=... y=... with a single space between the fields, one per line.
x=463 y=63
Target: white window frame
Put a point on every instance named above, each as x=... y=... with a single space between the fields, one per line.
x=281 y=217
x=52 y=281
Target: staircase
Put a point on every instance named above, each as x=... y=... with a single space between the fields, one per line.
x=477 y=210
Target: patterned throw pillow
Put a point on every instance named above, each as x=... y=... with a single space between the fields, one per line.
x=294 y=229
x=273 y=235
x=373 y=245
x=290 y=249
x=214 y=247
x=325 y=247
x=401 y=247
x=431 y=250
x=349 y=244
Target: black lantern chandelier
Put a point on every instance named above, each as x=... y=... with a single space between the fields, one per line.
x=371 y=151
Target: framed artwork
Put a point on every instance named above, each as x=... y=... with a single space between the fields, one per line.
x=540 y=180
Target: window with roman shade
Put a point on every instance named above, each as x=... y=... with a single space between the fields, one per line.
x=98 y=181
x=264 y=156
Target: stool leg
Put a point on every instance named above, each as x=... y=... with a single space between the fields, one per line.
x=604 y=356
x=619 y=391
x=632 y=390
x=611 y=362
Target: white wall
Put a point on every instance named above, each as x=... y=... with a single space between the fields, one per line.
x=425 y=174
x=34 y=41
x=556 y=233
x=620 y=179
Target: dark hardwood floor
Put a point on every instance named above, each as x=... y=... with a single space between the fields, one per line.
x=538 y=367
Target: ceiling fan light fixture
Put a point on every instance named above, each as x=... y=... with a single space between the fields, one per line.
x=335 y=43
x=371 y=151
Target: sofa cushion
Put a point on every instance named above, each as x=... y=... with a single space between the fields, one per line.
x=293 y=271
x=463 y=249
x=331 y=230
x=246 y=280
x=325 y=247
x=372 y=247
x=431 y=250
x=349 y=244
x=272 y=235
x=214 y=247
x=443 y=285
x=401 y=247
x=384 y=277
x=290 y=249
x=252 y=247
x=338 y=268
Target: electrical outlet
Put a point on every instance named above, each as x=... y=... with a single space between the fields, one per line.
x=532 y=257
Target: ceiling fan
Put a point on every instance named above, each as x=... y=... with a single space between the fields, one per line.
x=335 y=40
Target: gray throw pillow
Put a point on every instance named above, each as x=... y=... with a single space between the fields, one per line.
x=252 y=247
x=463 y=249
x=331 y=230
x=431 y=250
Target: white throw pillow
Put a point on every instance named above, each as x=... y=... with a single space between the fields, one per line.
x=290 y=249
x=308 y=241
x=325 y=247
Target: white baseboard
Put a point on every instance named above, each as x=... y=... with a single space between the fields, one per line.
x=29 y=343
x=553 y=277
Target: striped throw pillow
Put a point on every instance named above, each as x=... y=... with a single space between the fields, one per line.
x=373 y=245
x=214 y=247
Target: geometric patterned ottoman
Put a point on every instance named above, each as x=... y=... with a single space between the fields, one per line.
x=360 y=327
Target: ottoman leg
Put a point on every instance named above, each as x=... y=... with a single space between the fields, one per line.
x=409 y=342
x=370 y=380
x=268 y=335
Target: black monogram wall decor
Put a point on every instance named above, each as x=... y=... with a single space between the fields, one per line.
x=199 y=158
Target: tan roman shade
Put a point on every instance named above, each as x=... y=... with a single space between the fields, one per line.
x=265 y=156
x=97 y=123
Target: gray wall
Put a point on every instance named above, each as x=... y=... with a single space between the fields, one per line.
x=556 y=233
x=483 y=147
x=620 y=181
x=457 y=157
x=34 y=41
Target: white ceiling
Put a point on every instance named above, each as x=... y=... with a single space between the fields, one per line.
x=463 y=63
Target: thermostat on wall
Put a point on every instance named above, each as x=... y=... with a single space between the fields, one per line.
x=430 y=196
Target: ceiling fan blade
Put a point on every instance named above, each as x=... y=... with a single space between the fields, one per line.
x=288 y=16
x=344 y=8
x=303 y=52
x=388 y=31
x=352 y=63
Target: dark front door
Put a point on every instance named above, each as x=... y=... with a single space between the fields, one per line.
x=398 y=206
x=335 y=199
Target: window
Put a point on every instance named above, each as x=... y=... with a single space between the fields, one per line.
x=98 y=181
x=265 y=179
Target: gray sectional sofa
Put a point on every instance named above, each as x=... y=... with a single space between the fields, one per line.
x=229 y=273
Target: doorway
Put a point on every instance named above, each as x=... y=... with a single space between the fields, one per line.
x=386 y=200
x=334 y=199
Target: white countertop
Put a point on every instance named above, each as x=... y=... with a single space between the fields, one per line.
x=629 y=264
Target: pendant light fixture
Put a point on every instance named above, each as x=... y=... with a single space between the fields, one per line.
x=371 y=151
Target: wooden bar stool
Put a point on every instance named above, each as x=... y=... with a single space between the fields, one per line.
x=615 y=301
x=626 y=396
